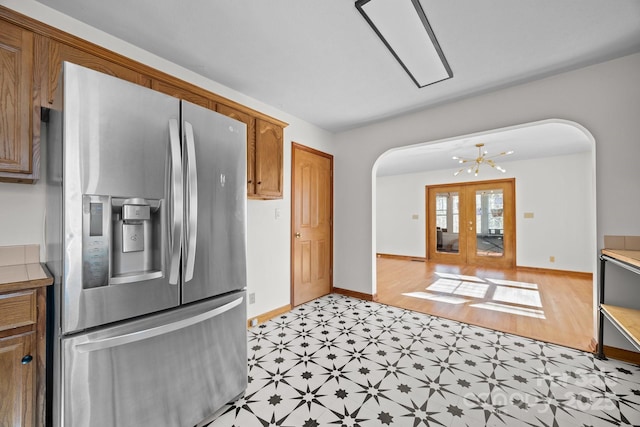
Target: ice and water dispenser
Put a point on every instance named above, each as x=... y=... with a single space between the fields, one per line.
x=122 y=240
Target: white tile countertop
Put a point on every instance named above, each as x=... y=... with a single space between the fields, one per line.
x=20 y=268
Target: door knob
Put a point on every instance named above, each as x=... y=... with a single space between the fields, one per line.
x=297 y=235
x=27 y=359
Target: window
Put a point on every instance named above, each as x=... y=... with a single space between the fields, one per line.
x=448 y=212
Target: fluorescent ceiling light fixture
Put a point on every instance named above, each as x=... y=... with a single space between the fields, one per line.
x=403 y=28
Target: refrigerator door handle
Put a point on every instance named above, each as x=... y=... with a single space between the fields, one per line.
x=192 y=203
x=105 y=343
x=175 y=235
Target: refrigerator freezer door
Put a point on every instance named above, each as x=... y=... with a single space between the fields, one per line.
x=215 y=263
x=173 y=369
x=117 y=148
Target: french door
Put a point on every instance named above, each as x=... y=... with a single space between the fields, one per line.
x=472 y=223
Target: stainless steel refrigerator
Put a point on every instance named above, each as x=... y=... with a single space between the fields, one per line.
x=146 y=239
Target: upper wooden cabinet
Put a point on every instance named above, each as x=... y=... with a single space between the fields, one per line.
x=268 y=160
x=264 y=154
x=16 y=72
x=60 y=52
x=31 y=57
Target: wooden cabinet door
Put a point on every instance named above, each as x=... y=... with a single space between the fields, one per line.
x=17 y=391
x=268 y=159
x=59 y=52
x=16 y=70
x=250 y=121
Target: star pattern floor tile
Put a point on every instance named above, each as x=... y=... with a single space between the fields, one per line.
x=340 y=361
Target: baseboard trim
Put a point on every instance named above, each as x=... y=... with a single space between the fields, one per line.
x=355 y=294
x=576 y=274
x=261 y=318
x=621 y=354
x=402 y=257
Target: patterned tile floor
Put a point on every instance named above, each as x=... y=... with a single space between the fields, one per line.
x=340 y=361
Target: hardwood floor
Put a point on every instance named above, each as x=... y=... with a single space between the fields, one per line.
x=547 y=306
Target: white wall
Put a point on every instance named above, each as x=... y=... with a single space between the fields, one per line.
x=604 y=98
x=22 y=210
x=557 y=190
x=22 y=207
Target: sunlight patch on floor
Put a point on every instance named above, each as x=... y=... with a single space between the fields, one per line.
x=476 y=290
x=506 y=296
x=459 y=277
x=444 y=285
x=505 y=308
x=456 y=287
x=514 y=283
x=435 y=297
x=517 y=296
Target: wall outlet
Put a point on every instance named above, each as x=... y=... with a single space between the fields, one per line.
x=415 y=216
x=254 y=322
x=552 y=259
x=252 y=298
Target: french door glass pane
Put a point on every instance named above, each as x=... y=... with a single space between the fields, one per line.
x=489 y=223
x=447 y=222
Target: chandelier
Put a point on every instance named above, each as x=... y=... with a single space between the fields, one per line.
x=474 y=164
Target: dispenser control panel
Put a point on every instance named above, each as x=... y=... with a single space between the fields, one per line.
x=96 y=213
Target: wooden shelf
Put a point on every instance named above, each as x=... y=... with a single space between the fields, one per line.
x=626 y=320
x=630 y=257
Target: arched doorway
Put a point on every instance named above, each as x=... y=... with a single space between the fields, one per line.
x=553 y=166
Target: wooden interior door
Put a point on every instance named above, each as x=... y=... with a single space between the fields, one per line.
x=311 y=224
x=472 y=223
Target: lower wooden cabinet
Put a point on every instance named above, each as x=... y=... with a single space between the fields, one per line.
x=17 y=380
x=23 y=353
